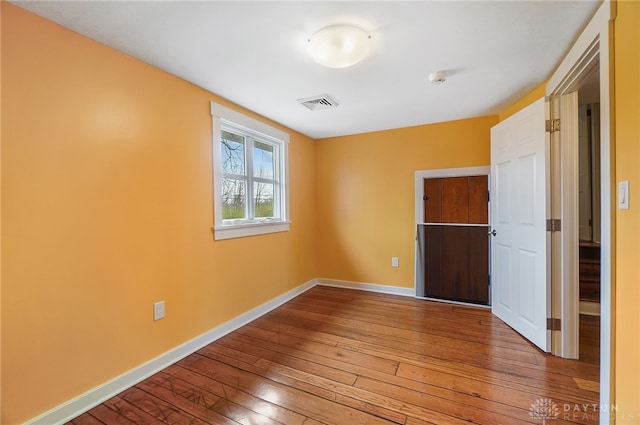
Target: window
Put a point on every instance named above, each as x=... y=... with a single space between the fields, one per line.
x=250 y=176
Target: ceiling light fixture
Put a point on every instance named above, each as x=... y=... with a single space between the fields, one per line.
x=437 y=77
x=339 y=46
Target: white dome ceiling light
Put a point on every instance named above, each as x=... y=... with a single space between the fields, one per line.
x=339 y=46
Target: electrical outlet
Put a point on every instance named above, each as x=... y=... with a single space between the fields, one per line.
x=395 y=262
x=158 y=310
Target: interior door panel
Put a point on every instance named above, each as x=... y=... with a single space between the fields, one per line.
x=520 y=288
x=455 y=200
x=478 y=198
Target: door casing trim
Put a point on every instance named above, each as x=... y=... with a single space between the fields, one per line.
x=591 y=49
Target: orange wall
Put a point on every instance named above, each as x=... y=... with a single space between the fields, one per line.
x=365 y=194
x=107 y=208
x=527 y=100
x=105 y=183
x=0 y=215
x=627 y=158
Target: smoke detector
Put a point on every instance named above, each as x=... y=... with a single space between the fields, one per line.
x=319 y=102
x=437 y=77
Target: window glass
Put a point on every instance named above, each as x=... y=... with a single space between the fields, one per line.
x=234 y=199
x=263 y=200
x=233 y=158
x=263 y=165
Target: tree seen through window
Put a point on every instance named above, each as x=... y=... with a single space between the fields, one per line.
x=240 y=154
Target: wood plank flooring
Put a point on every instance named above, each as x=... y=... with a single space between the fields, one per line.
x=344 y=357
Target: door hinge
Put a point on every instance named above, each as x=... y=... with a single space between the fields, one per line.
x=488 y=196
x=553 y=324
x=553 y=225
x=425 y=198
x=551 y=126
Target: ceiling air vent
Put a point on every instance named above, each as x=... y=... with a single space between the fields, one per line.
x=317 y=103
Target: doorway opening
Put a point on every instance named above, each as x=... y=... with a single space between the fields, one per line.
x=455 y=237
x=589 y=227
x=589 y=55
x=469 y=288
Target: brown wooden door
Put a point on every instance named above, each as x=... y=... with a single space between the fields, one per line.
x=456 y=200
x=478 y=200
x=456 y=254
x=457 y=263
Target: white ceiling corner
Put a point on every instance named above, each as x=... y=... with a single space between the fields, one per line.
x=254 y=53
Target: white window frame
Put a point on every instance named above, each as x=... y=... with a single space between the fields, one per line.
x=230 y=120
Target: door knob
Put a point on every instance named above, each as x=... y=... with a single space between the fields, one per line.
x=493 y=232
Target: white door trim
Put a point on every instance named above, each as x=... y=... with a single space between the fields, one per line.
x=565 y=202
x=591 y=50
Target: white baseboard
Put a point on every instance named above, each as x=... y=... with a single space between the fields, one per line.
x=75 y=407
x=589 y=308
x=371 y=287
x=79 y=405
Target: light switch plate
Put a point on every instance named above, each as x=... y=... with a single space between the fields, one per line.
x=158 y=310
x=623 y=195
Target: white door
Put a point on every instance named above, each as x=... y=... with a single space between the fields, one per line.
x=519 y=281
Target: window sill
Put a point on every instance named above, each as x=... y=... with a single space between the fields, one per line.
x=231 y=231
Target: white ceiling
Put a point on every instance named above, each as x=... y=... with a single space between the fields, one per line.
x=254 y=53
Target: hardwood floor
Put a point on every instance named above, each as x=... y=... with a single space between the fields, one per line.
x=337 y=356
x=590 y=339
